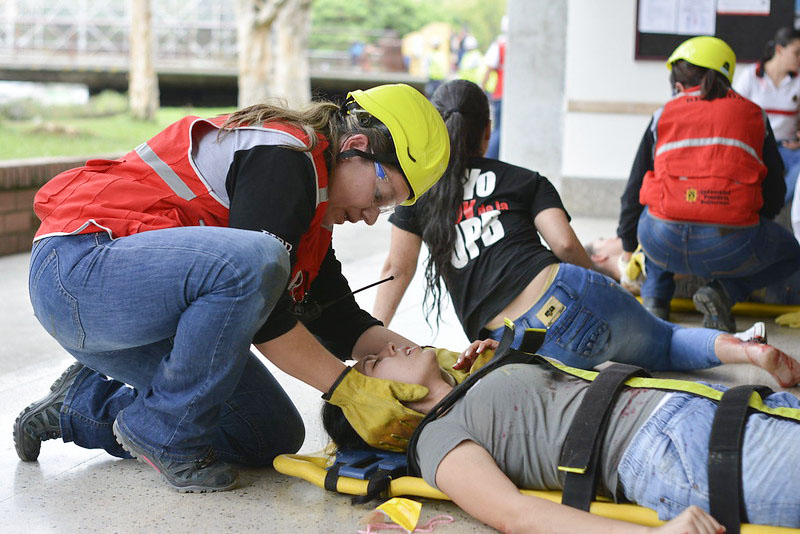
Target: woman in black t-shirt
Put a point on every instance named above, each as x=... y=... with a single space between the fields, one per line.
x=494 y=265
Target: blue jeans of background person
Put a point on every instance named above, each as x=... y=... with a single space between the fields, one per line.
x=665 y=467
x=791 y=164
x=741 y=259
x=493 y=151
x=601 y=321
x=172 y=314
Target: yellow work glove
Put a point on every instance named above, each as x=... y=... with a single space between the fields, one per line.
x=447 y=359
x=791 y=319
x=373 y=407
x=632 y=272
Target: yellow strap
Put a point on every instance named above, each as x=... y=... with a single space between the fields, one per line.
x=671 y=384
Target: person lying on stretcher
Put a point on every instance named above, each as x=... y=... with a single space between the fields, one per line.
x=507 y=431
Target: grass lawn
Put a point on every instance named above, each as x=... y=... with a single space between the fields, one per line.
x=86 y=136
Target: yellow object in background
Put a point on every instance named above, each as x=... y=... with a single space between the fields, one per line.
x=791 y=319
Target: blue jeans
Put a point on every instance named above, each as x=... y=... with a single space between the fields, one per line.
x=741 y=260
x=791 y=163
x=601 y=321
x=665 y=467
x=171 y=313
x=493 y=150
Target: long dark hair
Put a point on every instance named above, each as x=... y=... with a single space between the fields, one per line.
x=712 y=83
x=465 y=110
x=783 y=37
x=340 y=430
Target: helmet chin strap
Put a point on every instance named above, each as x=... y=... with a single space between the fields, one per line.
x=382 y=157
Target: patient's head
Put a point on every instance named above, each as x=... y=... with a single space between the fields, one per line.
x=604 y=253
x=412 y=365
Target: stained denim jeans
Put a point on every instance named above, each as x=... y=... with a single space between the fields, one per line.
x=601 y=321
x=741 y=260
x=171 y=313
x=665 y=467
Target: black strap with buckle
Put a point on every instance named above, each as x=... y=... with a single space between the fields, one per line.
x=580 y=454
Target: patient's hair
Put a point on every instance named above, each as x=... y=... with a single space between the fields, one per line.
x=590 y=250
x=340 y=430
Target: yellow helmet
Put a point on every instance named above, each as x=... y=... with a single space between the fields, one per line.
x=421 y=143
x=709 y=52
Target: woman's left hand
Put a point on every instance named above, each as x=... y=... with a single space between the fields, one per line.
x=693 y=520
x=475 y=349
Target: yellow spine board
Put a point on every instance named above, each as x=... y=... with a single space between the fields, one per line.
x=751 y=309
x=312 y=469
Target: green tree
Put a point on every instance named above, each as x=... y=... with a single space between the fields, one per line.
x=482 y=17
x=337 y=23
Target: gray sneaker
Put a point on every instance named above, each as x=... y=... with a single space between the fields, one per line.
x=206 y=474
x=712 y=302
x=40 y=421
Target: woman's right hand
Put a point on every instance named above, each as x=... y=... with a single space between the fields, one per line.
x=475 y=349
x=693 y=520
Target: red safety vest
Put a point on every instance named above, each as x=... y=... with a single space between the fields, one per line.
x=156 y=186
x=497 y=94
x=708 y=161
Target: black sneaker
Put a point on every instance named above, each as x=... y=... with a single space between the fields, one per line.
x=206 y=474
x=40 y=421
x=712 y=302
x=657 y=307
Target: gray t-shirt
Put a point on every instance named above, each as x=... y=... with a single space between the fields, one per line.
x=521 y=413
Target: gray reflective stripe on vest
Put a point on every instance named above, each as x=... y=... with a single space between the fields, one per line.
x=707 y=141
x=322 y=195
x=163 y=170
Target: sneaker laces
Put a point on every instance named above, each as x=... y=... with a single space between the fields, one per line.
x=210 y=459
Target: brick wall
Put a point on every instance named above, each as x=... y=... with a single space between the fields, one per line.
x=19 y=181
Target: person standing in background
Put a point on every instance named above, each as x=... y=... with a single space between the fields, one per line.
x=471 y=65
x=773 y=84
x=436 y=67
x=494 y=61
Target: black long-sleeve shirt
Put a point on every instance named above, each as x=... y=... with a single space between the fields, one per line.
x=273 y=189
x=773 y=188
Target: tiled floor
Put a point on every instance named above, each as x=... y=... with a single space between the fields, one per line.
x=76 y=490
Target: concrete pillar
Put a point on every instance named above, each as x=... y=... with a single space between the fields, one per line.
x=533 y=97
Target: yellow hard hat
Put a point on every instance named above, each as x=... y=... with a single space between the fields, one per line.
x=706 y=51
x=420 y=137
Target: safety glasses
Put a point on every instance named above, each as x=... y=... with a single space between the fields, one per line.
x=382 y=202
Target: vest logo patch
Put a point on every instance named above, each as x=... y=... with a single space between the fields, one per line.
x=691 y=195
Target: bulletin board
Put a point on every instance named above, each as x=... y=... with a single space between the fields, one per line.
x=746 y=25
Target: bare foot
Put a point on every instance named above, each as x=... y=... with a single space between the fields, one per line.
x=784 y=368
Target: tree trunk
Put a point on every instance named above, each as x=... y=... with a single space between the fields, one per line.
x=272 y=40
x=142 y=79
x=292 y=80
